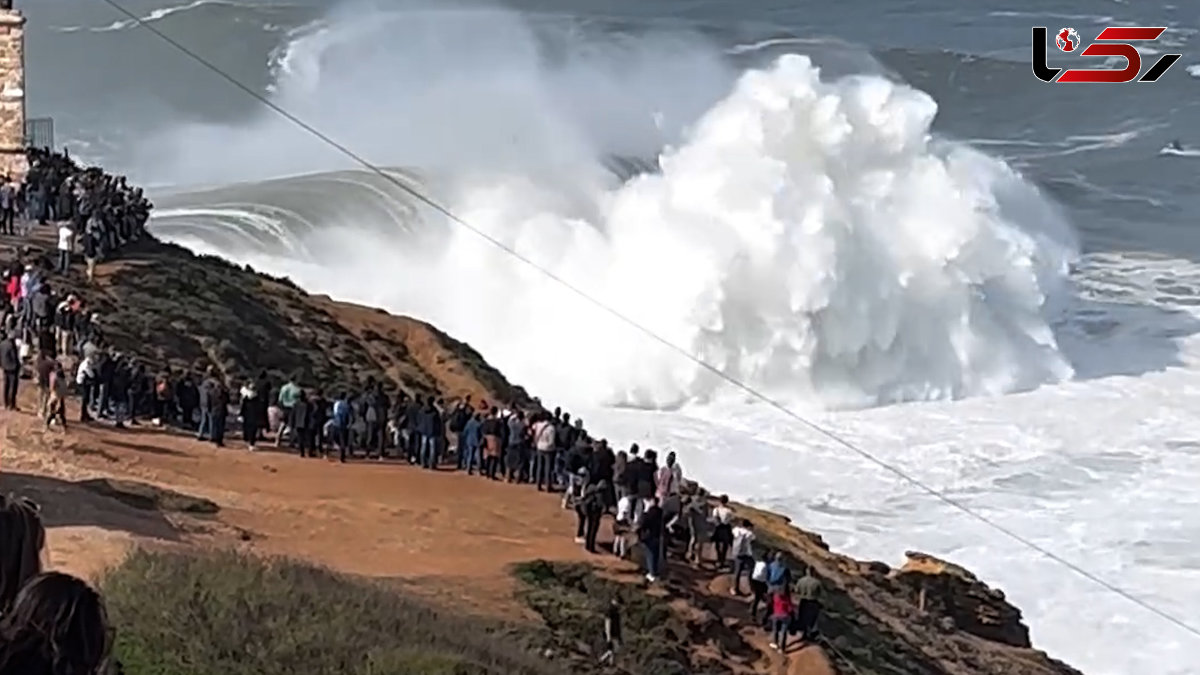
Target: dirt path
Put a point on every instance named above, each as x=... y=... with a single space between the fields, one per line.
x=444 y=534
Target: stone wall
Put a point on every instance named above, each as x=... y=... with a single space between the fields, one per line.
x=12 y=94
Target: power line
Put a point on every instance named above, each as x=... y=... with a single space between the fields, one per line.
x=747 y=389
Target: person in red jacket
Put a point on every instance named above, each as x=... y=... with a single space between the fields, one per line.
x=781 y=617
x=13 y=289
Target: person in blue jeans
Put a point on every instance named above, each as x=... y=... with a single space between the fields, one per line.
x=206 y=394
x=469 y=442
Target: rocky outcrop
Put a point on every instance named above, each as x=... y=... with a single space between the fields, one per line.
x=959 y=599
x=930 y=617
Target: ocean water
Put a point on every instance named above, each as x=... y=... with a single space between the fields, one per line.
x=871 y=212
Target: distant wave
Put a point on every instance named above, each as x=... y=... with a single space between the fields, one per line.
x=156 y=15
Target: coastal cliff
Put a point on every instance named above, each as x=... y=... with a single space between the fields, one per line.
x=174 y=309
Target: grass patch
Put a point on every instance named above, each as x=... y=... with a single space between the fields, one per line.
x=572 y=600
x=230 y=614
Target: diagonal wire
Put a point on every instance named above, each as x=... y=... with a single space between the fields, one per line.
x=737 y=384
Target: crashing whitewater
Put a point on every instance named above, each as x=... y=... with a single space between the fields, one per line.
x=809 y=237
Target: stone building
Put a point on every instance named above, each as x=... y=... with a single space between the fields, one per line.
x=12 y=91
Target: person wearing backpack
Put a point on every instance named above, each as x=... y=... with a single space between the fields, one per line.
x=594 y=506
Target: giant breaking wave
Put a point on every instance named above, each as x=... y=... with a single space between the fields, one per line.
x=811 y=238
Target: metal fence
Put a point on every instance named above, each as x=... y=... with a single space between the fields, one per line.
x=39 y=132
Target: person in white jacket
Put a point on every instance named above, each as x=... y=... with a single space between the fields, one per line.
x=85 y=375
x=743 y=554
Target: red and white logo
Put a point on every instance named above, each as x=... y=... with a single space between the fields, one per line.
x=1113 y=41
x=1067 y=39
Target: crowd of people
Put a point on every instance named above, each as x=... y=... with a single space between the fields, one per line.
x=654 y=512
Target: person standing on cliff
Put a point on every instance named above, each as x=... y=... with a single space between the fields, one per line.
x=204 y=399
x=250 y=414
x=669 y=479
x=412 y=424
x=220 y=412
x=66 y=243
x=318 y=407
x=544 y=444
x=43 y=368
x=56 y=404
x=492 y=429
x=743 y=554
x=430 y=427
x=650 y=533
x=469 y=443
x=288 y=394
x=8 y=204
x=808 y=612
x=781 y=618
x=10 y=363
x=85 y=378
x=722 y=536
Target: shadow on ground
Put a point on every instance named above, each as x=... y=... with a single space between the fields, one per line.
x=125 y=506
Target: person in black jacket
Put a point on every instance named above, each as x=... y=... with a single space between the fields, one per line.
x=189 y=399
x=119 y=389
x=301 y=424
x=108 y=370
x=492 y=428
x=139 y=385
x=412 y=418
x=591 y=509
x=430 y=427
x=650 y=533
x=219 y=409
x=601 y=471
x=10 y=363
x=318 y=410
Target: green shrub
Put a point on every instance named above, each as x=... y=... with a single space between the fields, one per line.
x=230 y=614
x=572 y=600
